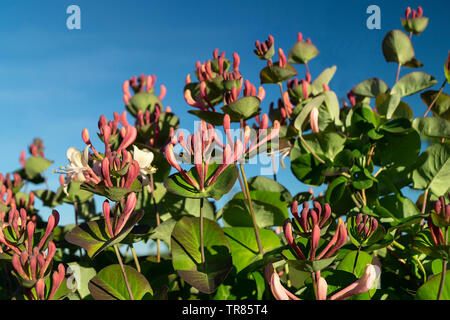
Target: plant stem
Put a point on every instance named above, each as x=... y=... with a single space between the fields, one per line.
x=252 y=212
x=155 y=206
x=421 y=268
x=119 y=258
x=356 y=259
x=282 y=93
x=441 y=284
x=398 y=72
x=241 y=183
x=435 y=99
x=313 y=276
x=311 y=150
x=135 y=257
x=75 y=209
x=202 y=248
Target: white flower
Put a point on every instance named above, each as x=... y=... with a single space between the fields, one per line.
x=78 y=163
x=144 y=157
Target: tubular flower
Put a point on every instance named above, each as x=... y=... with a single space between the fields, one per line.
x=253 y=139
x=360 y=286
x=264 y=50
x=18 y=232
x=308 y=218
x=365 y=227
x=441 y=212
x=144 y=158
x=143 y=84
x=198 y=147
x=216 y=69
x=338 y=240
x=116 y=224
x=116 y=166
x=278 y=291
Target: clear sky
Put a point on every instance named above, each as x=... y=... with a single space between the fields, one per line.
x=54 y=82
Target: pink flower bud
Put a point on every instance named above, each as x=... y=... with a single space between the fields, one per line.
x=57 y=279
x=314 y=120
x=236 y=61
x=322 y=288
x=287 y=229
x=315 y=237
x=299 y=37
x=40 y=289
x=361 y=285
x=407 y=12
x=22 y=158
x=163 y=92
x=308 y=77
x=51 y=224
x=305 y=87
x=419 y=11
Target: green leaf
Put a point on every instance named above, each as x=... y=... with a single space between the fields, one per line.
x=311 y=266
x=441 y=107
x=35 y=166
x=269 y=210
x=262 y=183
x=348 y=262
x=397 y=47
x=214 y=118
x=433 y=169
x=164 y=231
x=304 y=113
x=143 y=101
x=336 y=190
x=80 y=277
x=429 y=290
x=93 y=236
x=176 y=183
x=395 y=150
x=415 y=25
x=306 y=167
x=302 y=52
x=324 y=78
x=243 y=108
x=109 y=284
x=49 y=198
x=186 y=256
x=412 y=83
x=276 y=74
x=76 y=194
x=244 y=247
x=328 y=144
x=370 y=88
x=432 y=127
x=385 y=103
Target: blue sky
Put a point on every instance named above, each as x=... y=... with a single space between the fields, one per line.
x=55 y=81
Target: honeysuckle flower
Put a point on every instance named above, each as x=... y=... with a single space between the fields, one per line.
x=362 y=285
x=338 y=240
x=199 y=147
x=262 y=50
x=278 y=291
x=251 y=142
x=314 y=120
x=78 y=163
x=365 y=226
x=143 y=84
x=308 y=218
x=144 y=158
x=57 y=279
x=21 y=228
x=119 y=223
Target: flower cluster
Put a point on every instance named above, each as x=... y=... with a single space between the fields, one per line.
x=311 y=220
x=439 y=221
